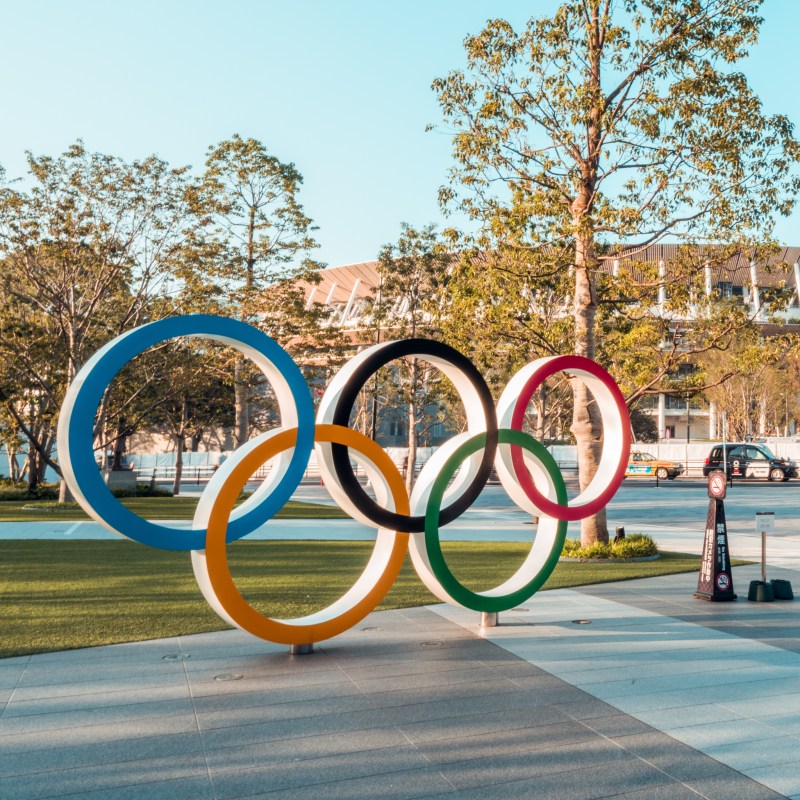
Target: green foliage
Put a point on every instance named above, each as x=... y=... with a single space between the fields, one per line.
x=21 y=491
x=142 y=490
x=645 y=428
x=636 y=545
x=580 y=141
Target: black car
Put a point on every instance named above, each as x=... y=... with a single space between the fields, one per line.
x=748 y=460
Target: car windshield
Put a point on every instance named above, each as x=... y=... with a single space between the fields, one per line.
x=766 y=451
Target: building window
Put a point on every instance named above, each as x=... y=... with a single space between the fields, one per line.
x=725 y=289
x=396 y=427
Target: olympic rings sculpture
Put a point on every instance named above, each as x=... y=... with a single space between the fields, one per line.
x=447 y=486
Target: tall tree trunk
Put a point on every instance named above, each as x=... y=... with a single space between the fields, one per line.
x=412 y=425
x=13 y=465
x=586 y=426
x=33 y=469
x=241 y=431
x=541 y=411
x=119 y=444
x=180 y=444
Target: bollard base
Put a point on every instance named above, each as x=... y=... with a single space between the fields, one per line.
x=715 y=598
x=301 y=649
x=489 y=619
x=782 y=589
x=760 y=592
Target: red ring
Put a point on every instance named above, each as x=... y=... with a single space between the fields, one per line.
x=548 y=507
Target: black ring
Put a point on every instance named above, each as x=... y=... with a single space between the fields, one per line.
x=380 y=516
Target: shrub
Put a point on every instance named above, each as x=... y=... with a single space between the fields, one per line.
x=637 y=545
x=142 y=490
x=19 y=491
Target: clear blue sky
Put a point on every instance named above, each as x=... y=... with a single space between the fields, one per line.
x=340 y=88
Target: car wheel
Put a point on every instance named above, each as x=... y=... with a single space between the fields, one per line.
x=776 y=474
x=662 y=473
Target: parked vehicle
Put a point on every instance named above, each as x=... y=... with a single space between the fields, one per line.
x=645 y=464
x=749 y=460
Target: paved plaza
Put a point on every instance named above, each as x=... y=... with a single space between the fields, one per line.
x=659 y=696
x=633 y=690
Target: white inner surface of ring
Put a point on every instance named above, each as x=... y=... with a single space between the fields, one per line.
x=612 y=436
x=376 y=566
x=288 y=414
x=476 y=423
x=543 y=542
x=283 y=394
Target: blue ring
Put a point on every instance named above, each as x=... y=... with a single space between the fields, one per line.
x=95 y=377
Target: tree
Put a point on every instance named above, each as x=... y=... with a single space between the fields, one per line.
x=754 y=384
x=251 y=251
x=84 y=252
x=601 y=130
x=411 y=272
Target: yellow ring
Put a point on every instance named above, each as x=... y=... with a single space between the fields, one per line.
x=370 y=588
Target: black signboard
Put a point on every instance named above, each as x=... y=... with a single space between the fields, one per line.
x=715 y=581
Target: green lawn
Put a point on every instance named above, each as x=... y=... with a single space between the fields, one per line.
x=149 y=508
x=58 y=595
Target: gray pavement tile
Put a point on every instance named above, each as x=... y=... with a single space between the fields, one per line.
x=786 y=643
x=518 y=669
x=43 y=674
x=578 y=783
x=300 y=748
x=128 y=652
x=444 y=677
x=92 y=734
x=227 y=697
x=765 y=705
x=732 y=784
x=156 y=679
x=239 y=733
x=230 y=783
x=116 y=715
x=440 y=720
x=406 y=785
x=17 y=661
x=405 y=669
x=278 y=681
x=587 y=708
x=183 y=788
x=677 y=760
x=10 y=676
x=671 y=791
x=702 y=737
x=425 y=703
x=100 y=751
x=616 y=725
x=529 y=764
x=469 y=725
x=227 y=709
x=100 y=777
x=782 y=778
x=787 y=724
x=747 y=755
x=668 y=718
x=94 y=700
x=504 y=741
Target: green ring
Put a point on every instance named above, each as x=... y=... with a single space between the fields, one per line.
x=448 y=581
